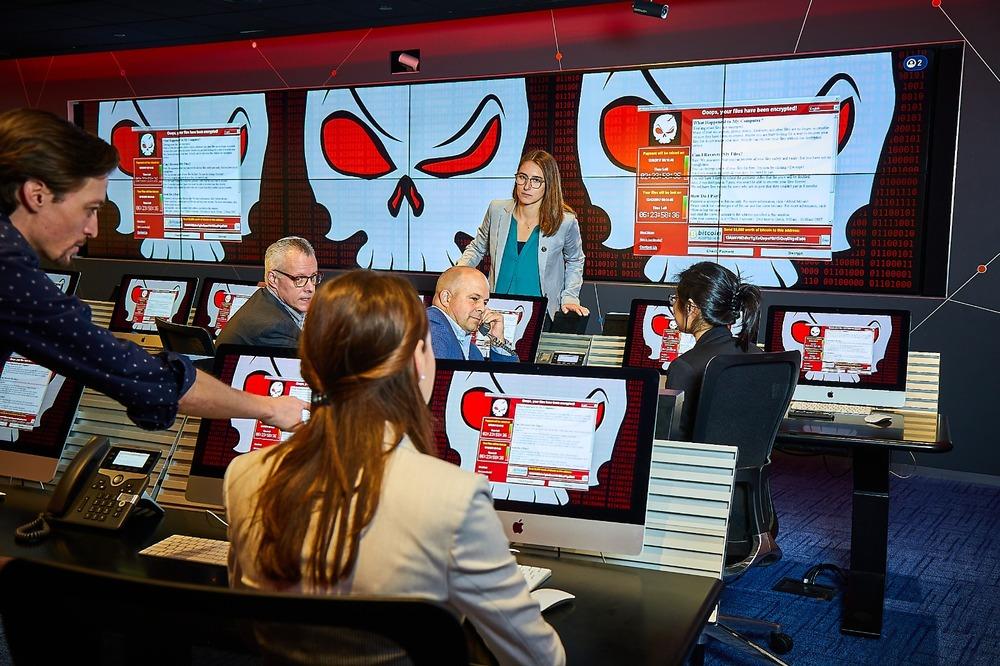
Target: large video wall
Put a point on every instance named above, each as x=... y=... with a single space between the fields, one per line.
x=822 y=172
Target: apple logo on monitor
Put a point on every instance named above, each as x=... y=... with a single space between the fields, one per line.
x=518 y=527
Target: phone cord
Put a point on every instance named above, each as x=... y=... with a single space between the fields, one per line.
x=33 y=532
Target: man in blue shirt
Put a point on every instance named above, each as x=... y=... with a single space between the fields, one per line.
x=459 y=310
x=53 y=180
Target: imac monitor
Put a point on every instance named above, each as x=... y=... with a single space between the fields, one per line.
x=67 y=281
x=37 y=409
x=850 y=356
x=262 y=370
x=219 y=300
x=143 y=298
x=653 y=340
x=567 y=450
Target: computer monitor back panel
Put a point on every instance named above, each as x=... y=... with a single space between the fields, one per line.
x=37 y=410
x=653 y=339
x=261 y=370
x=852 y=356
x=219 y=301
x=142 y=298
x=567 y=449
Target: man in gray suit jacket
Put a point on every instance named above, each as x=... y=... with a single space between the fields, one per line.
x=273 y=316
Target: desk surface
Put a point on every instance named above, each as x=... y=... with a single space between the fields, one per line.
x=909 y=431
x=620 y=615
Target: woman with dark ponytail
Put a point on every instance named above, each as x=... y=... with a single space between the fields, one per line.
x=710 y=299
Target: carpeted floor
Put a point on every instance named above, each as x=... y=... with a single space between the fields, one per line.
x=942 y=593
x=942 y=590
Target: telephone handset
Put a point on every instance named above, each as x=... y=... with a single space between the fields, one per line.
x=100 y=488
x=499 y=343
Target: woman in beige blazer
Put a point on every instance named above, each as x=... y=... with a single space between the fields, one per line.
x=533 y=239
x=354 y=504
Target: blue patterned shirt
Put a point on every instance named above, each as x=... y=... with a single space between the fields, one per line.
x=54 y=330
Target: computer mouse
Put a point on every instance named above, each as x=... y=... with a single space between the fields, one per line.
x=878 y=419
x=548 y=597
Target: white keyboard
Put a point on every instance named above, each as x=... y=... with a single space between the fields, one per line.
x=190 y=549
x=535 y=576
x=836 y=408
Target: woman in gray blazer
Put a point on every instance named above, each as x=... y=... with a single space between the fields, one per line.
x=533 y=239
x=356 y=502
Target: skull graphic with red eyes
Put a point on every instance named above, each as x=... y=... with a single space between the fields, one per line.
x=657 y=321
x=145 y=293
x=797 y=326
x=227 y=298
x=117 y=124
x=257 y=375
x=412 y=166
x=609 y=128
x=468 y=402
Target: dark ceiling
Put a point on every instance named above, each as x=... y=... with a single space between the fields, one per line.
x=33 y=28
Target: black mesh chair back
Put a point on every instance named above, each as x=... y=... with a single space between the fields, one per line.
x=743 y=399
x=55 y=613
x=183 y=339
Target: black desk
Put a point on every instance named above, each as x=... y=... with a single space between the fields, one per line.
x=870 y=448
x=621 y=614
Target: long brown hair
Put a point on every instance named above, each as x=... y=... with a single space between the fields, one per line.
x=552 y=206
x=357 y=356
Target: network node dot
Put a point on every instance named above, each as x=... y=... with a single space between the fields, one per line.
x=333 y=72
x=981 y=268
x=558 y=55
x=253 y=45
x=935 y=3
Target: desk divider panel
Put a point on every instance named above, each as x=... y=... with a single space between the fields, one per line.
x=690 y=494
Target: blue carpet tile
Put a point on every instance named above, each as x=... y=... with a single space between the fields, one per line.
x=942 y=590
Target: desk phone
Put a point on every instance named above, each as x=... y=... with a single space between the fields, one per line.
x=105 y=487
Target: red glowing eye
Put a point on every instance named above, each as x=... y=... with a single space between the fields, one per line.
x=602 y=403
x=661 y=324
x=136 y=294
x=219 y=298
x=352 y=148
x=846 y=123
x=800 y=331
x=127 y=143
x=623 y=130
x=244 y=132
x=481 y=153
x=257 y=383
x=475 y=406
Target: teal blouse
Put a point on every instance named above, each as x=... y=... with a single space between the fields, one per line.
x=519 y=269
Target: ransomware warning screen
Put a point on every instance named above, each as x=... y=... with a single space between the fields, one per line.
x=754 y=180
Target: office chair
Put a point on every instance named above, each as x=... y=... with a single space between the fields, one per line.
x=56 y=613
x=742 y=402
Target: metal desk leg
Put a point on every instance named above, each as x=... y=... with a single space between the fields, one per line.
x=865 y=596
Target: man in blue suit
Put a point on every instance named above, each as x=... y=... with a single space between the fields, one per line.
x=459 y=310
